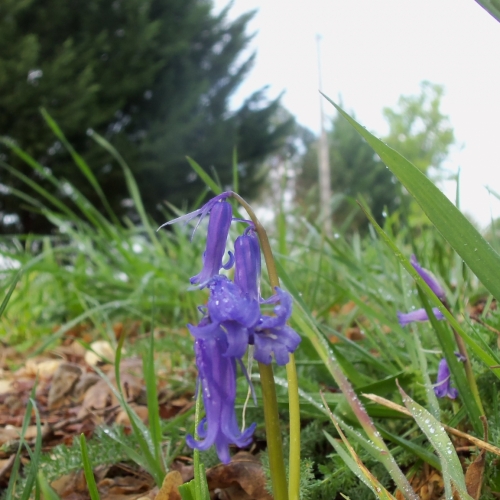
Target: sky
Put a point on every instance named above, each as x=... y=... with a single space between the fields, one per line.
x=372 y=52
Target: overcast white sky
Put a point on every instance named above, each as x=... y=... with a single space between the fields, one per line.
x=375 y=50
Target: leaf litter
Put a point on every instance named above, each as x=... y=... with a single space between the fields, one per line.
x=73 y=399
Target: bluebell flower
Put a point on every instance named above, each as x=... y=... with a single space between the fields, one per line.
x=221 y=215
x=201 y=212
x=273 y=336
x=417 y=315
x=442 y=387
x=232 y=320
x=429 y=278
x=247 y=263
x=217 y=381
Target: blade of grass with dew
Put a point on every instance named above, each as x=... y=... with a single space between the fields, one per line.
x=146 y=458
x=10 y=291
x=35 y=454
x=148 y=363
x=476 y=252
x=450 y=463
x=90 y=212
x=81 y=164
x=143 y=435
x=357 y=467
x=204 y=176
x=419 y=451
x=470 y=401
x=306 y=324
x=466 y=388
x=40 y=190
x=313 y=333
x=70 y=324
x=133 y=188
x=87 y=470
x=22 y=442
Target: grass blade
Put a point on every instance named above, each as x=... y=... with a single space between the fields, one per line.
x=450 y=463
x=476 y=252
x=81 y=164
x=204 y=176
x=87 y=469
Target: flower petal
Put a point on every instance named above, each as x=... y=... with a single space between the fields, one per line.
x=218 y=229
x=417 y=315
x=429 y=278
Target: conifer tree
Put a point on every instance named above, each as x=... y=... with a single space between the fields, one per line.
x=153 y=76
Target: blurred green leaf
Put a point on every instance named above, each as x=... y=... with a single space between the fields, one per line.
x=451 y=223
x=491 y=6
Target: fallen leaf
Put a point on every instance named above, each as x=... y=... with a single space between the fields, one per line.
x=65 y=377
x=475 y=471
x=170 y=487
x=43 y=369
x=243 y=475
x=101 y=351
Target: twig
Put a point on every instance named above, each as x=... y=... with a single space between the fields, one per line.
x=477 y=442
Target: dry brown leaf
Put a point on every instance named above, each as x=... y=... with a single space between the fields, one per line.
x=43 y=369
x=99 y=396
x=474 y=476
x=475 y=471
x=101 y=351
x=65 y=378
x=122 y=417
x=243 y=478
x=6 y=386
x=87 y=380
x=170 y=487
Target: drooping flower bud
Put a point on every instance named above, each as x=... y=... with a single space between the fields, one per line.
x=221 y=215
x=247 y=264
x=417 y=315
x=443 y=387
x=217 y=379
x=429 y=278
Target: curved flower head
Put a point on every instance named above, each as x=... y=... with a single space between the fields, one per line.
x=417 y=315
x=429 y=278
x=247 y=264
x=217 y=378
x=221 y=214
x=273 y=336
x=443 y=387
x=228 y=303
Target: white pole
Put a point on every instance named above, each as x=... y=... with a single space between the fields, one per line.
x=325 y=193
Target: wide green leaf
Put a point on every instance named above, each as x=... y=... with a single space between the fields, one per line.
x=476 y=252
x=492 y=6
x=450 y=463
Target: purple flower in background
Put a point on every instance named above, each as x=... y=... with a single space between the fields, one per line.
x=247 y=263
x=217 y=381
x=221 y=215
x=443 y=388
x=417 y=315
x=429 y=278
x=273 y=336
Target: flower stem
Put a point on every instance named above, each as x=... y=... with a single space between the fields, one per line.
x=274 y=443
x=273 y=432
